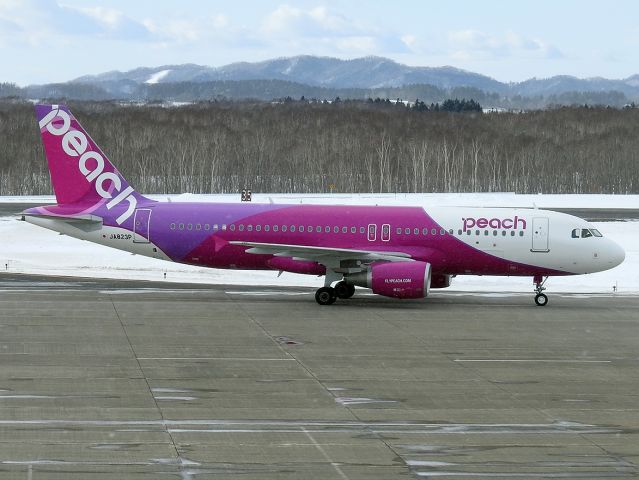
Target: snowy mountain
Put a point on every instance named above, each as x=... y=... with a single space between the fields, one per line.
x=366 y=72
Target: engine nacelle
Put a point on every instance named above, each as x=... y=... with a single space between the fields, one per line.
x=440 y=281
x=395 y=279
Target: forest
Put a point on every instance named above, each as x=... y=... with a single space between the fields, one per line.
x=346 y=146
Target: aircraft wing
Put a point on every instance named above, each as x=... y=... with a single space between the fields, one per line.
x=330 y=257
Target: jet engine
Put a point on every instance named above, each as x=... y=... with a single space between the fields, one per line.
x=395 y=279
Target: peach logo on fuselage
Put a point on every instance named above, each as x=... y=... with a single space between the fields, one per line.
x=76 y=144
x=495 y=223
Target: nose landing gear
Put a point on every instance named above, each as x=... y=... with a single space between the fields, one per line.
x=540 y=298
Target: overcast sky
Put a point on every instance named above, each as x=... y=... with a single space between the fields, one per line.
x=44 y=41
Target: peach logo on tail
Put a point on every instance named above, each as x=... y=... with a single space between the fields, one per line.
x=90 y=163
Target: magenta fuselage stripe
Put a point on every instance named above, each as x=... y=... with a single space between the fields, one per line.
x=446 y=253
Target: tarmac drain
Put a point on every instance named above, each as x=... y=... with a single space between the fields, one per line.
x=288 y=341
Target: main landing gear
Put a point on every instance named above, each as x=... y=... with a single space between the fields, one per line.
x=327 y=295
x=541 y=299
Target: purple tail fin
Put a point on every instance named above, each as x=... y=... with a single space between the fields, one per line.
x=80 y=173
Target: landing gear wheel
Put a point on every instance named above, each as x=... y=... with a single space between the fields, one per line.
x=325 y=296
x=344 y=290
x=541 y=299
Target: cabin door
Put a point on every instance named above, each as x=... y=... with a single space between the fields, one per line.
x=141 y=225
x=540 y=235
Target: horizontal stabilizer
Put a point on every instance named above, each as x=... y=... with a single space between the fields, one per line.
x=66 y=218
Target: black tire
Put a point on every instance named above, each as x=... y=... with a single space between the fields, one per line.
x=344 y=290
x=325 y=296
x=541 y=300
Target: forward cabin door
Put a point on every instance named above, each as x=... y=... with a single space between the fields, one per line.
x=540 y=235
x=141 y=225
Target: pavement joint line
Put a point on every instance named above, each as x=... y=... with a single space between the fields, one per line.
x=321 y=449
x=321 y=384
x=146 y=380
x=525 y=360
x=221 y=358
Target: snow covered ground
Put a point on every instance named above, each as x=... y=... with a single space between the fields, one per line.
x=514 y=200
x=25 y=248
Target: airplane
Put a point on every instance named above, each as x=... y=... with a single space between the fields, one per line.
x=396 y=251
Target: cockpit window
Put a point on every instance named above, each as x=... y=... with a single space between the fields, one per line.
x=575 y=233
x=596 y=232
x=585 y=233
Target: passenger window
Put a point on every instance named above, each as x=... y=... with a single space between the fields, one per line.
x=486 y=232
x=398 y=231
x=362 y=230
x=477 y=232
x=407 y=231
x=181 y=227
x=173 y=226
x=318 y=229
x=249 y=228
x=416 y=231
x=585 y=233
x=503 y=233
x=207 y=227
x=336 y=229
x=327 y=229
x=494 y=233
x=450 y=231
x=521 y=234
x=267 y=228
x=459 y=232
x=596 y=232
x=198 y=226
x=224 y=226
x=258 y=228
x=302 y=228
x=232 y=227
x=512 y=233
x=353 y=229
x=433 y=231
x=442 y=232
x=469 y=232
x=275 y=228
x=283 y=228
x=215 y=226
x=189 y=226
x=344 y=229
x=292 y=229
x=425 y=231
x=241 y=227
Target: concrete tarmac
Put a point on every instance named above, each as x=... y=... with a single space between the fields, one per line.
x=104 y=379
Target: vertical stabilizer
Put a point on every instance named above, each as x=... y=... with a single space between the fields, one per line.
x=81 y=174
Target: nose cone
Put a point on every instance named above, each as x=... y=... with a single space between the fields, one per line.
x=615 y=255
